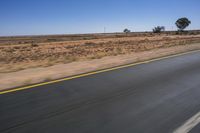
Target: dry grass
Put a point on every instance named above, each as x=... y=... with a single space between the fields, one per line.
x=22 y=56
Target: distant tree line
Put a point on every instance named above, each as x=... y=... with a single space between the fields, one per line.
x=181 y=24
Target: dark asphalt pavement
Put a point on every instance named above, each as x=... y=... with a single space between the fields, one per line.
x=156 y=97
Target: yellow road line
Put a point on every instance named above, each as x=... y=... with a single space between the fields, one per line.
x=92 y=73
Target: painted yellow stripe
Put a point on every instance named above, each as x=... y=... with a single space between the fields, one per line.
x=92 y=73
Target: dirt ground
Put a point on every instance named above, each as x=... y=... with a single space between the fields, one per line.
x=23 y=56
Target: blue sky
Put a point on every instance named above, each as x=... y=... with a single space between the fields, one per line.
x=33 y=17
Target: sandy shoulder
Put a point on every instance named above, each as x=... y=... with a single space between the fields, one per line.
x=41 y=74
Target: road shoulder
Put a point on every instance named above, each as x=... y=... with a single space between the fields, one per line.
x=44 y=74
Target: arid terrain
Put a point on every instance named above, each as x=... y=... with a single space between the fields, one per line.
x=19 y=54
x=16 y=57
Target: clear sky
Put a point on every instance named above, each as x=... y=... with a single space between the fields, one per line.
x=33 y=17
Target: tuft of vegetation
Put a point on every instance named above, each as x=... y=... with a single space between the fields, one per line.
x=182 y=23
x=33 y=44
x=158 y=29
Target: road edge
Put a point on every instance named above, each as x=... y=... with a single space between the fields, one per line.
x=94 y=72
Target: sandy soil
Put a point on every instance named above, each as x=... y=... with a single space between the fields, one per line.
x=40 y=74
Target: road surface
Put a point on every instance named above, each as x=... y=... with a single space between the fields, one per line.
x=156 y=97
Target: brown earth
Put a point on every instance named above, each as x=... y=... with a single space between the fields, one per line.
x=22 y=56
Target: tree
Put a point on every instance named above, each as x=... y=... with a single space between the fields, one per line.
x=158 y=29
x=127 y=31
x=182 y=23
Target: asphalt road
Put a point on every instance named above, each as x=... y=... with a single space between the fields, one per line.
x=156 y=97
